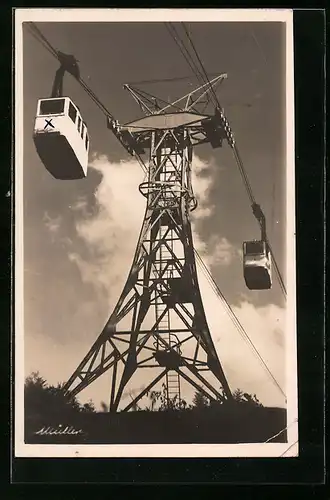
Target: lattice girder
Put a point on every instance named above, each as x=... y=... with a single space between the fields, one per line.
x=159 y=321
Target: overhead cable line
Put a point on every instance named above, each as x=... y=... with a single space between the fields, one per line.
x=208 y=275
x=47 y=45
x=239 y=163
x=278 y=273
x=167 y=80
x=42 y=39
x=38 y=34
x=236 y=321
x=34 y=30
x=201 y=64
x=253 y=202
x=185 y=52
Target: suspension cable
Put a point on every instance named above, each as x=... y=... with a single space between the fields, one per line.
x=185 y=52
x=38 y=35
x=43 y=40
x=236 y=321
x=239 y=164
x=201 y=64
x=47 y=45
x=252 y=200
x=167 y=80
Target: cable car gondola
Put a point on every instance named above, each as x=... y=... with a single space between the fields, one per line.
x=257 y=257
x=60 y=134
x=257 y=265
x=61 y=138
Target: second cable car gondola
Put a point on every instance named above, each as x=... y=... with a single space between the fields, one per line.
x=257 y=265
x=60 y=134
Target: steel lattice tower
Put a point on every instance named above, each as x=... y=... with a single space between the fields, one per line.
x=159 y=321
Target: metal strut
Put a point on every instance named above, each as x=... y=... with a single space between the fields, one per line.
x=259 y=215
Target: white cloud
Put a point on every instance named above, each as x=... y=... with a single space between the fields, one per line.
x=216 y=251
x=80 y=205
x=111 y=236
x=53 y=224
x=223 y=252
x=265 y=327
x=202 y=175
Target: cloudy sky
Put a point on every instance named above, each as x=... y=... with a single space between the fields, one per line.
x=80 y=236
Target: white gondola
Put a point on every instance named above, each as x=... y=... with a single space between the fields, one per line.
x=257 y=265
x=61 y=138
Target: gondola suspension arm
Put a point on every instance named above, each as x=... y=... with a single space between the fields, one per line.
x=259 y=215
x=69 y=63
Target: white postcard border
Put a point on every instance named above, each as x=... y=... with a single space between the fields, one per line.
x=156 y=450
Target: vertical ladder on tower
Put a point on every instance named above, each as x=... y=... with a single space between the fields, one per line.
x=160 y=306
x=173 y=386
x=164 y=322
x=172 y=376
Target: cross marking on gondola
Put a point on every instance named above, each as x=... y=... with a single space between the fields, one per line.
x=49 y=122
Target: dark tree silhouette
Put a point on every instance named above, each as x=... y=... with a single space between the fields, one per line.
x=200 y=401
x=51 y=403
x=162 y=421
x=160 y=401
x=242 y=397
x=48 y=401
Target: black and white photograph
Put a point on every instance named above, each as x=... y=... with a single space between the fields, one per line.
x=155 y=275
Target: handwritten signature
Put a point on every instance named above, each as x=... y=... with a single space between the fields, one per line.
x=60 y=430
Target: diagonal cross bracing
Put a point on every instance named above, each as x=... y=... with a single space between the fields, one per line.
x=158 y=324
